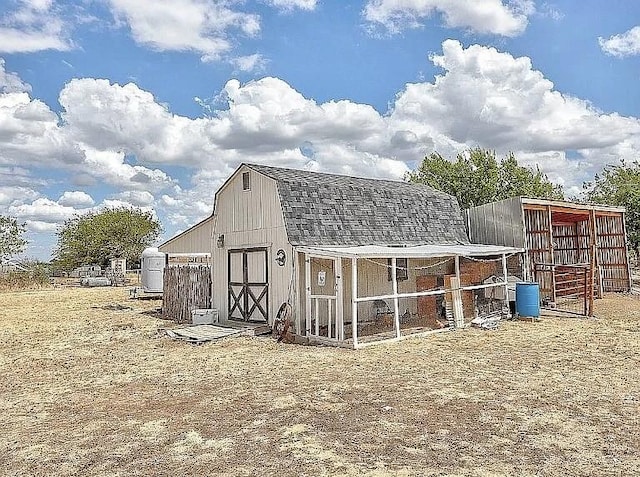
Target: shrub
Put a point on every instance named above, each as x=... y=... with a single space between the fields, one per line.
x=35 y=275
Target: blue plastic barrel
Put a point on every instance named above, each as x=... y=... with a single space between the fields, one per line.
x=528 y=299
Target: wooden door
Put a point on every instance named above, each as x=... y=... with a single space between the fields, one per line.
x=248 y=285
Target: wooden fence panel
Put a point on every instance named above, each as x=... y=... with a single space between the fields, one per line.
x=185 y=289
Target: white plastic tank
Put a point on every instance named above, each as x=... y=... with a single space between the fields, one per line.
x=153 y=263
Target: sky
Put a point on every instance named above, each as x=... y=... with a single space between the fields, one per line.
x=154 y=103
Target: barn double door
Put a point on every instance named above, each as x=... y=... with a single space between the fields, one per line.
x=248 y=285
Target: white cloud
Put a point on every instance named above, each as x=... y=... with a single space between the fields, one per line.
x=11 y=82
x=624 y=44
x=491 y=98
x=122 y=137
x=483 y=97
x=32 y=138
x=494 y=100
x=119 y=203
x=34 y=26
x=117 y=119
x=30 y=134
x=41 y=226
x=42 y=210
x=184 y=208
x=481 y=16
x=76 y=198
x=255 y=62
x=289 y=5
x=202 y=26
x=138 y=198
x=548 y=10
x=15 y=195
x=45 y=215
x=19 y=177
x=268 y=115
x=110 y=167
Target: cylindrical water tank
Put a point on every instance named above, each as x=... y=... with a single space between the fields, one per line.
x=153 y=263
x=528 y=299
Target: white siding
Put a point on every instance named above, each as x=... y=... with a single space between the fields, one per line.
x=248 y=219
x=197 y=239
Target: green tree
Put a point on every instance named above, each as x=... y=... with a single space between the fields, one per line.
x=477 y=177
x=11 y=240
x=619 y=185
x=97 y=237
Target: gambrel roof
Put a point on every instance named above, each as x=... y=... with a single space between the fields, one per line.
x=330 y=209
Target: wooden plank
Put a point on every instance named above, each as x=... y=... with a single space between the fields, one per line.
x=394 y=281
x=550 y=245
x=458 y=311
x=203 y=333
x=339 y=299
x=354 y=301
x=307 y=290
x=604 y=213
x=534 y=207
x=592 y=260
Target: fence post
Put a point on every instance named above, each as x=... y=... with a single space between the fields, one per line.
x=586 y=291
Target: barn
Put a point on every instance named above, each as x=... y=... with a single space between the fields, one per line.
x=191 y=247
x=358 y=260
x=568 y=246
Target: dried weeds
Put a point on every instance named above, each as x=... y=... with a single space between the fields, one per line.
x=91 y=387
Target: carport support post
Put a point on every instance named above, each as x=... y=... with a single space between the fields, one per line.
x=593 y=257
x=394 y=280
x=339 y=301
x=552 y=255
x=354 y=303
x=457 y=295
x=307 y=294
x=506 y=282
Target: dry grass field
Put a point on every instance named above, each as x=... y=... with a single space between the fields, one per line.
x=87 y=390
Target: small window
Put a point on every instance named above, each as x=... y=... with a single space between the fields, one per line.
x=402 y=272
x=246 y=183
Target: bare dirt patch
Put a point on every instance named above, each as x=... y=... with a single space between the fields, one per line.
x=90 y=387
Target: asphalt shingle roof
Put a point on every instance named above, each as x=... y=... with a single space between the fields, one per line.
x=330 y=209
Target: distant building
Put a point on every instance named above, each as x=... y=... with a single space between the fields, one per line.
x=86 y=271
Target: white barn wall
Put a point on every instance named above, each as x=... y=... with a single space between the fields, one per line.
x=250 y=219
x=197 y=239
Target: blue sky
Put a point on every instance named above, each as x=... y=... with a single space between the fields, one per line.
x=154 y=103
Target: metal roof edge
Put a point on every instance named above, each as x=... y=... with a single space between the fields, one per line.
x=418 y=251
x=573 y=205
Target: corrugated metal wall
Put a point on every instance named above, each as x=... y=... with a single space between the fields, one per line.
x=497 y=223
